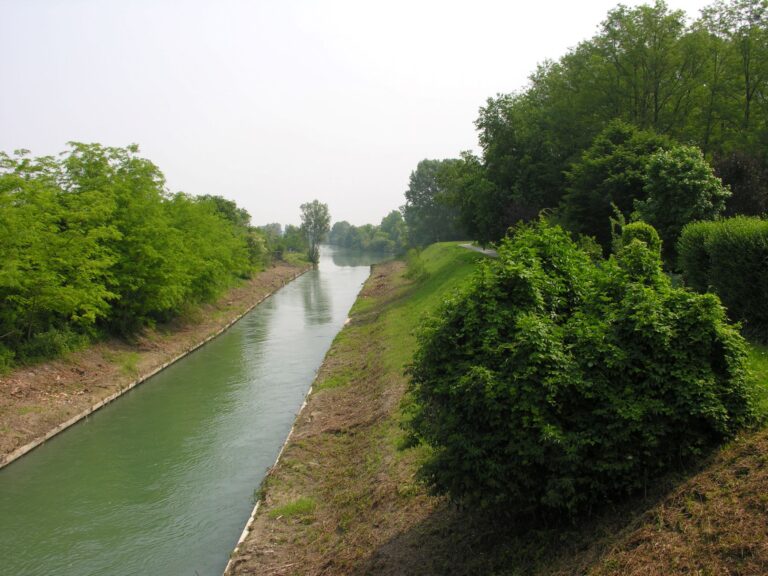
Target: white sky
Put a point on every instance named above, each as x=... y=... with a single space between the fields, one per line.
x=275 y=103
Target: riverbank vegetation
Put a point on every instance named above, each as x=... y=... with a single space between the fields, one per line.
x=92 y=243
x=350 y=456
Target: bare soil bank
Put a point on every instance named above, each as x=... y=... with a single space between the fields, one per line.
x=35 y=400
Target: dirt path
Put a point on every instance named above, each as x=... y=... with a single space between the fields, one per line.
x=36 y=401
x=486 y=251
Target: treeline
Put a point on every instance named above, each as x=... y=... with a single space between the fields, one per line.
x=92 y=243
x=578 y=139
x=391 y=236
x=290 y=239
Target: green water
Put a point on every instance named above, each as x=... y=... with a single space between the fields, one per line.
x=161 y=481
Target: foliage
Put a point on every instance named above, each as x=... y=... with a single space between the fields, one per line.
x=482 y=209
x=91 y=241
x=428 y=213
x=551 y=382
x=693 y=254
x=610 y=175
x=559 y=140
x=415 y=266
x=390 y=236
x=730 y=258
x=681 y=188
x=643 y=232
x=747 y=176
x=315 y=224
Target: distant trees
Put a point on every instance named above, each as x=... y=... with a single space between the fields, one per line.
x=91 y=242
x=315 y=224
x=389 y=236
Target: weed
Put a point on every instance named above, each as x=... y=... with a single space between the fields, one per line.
x=302 y=508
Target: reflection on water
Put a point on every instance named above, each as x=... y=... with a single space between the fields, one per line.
x=161 y=481
x=317 y=299
x=346 y=257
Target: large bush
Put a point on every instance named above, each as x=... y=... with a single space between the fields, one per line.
x=552 y=382
x=730 y=258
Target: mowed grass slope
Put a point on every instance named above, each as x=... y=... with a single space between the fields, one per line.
x=369 y=513
x=344 y=455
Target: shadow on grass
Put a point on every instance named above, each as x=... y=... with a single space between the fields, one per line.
x=464 y=542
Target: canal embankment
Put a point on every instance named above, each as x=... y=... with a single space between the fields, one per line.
x=342 y=488
x=37 y=402
x=345 y=497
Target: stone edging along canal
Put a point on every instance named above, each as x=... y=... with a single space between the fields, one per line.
x=252 y=517
x=22 y=450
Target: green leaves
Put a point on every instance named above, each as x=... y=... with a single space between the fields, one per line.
x=730 y=258
x=92 y=240
x=315 y=224
x=556 y=382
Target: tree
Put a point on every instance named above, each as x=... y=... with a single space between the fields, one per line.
x=481 y=204
x=394 y=228
x=747 y=177
x=315 y=224
x=611 y=172
x=680 y=188
x=427 y=211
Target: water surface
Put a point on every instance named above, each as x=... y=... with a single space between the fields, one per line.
x=161 y=481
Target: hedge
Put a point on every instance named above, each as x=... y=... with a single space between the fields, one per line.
x=730 y=258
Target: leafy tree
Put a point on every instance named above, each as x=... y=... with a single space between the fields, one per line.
x=54 y=262
x=315 y=224
x=552 y=382
x=611 y=173
x=394 y=230
x=480 y=203
x=680 y=187
x=92 y=241
x=339 y=234
x=294 y=239
x=427 y=211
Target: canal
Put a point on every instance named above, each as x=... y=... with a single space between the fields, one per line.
x=162 y=481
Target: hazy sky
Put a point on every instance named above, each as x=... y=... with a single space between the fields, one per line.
x=274 y=103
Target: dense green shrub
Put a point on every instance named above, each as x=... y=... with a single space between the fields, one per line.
x=553 y=382
x=643 y=232
x=693 y=254
x=730 y=258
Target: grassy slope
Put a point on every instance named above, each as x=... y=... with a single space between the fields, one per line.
x=344 y=498
x=343 y=455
